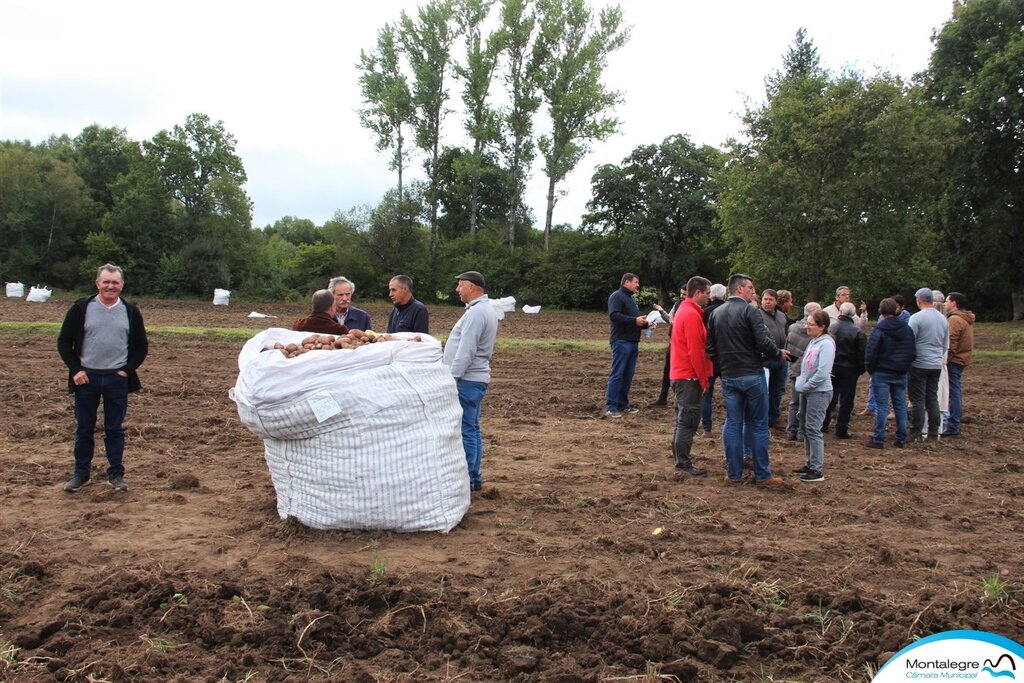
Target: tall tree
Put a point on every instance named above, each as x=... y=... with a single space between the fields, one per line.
x=661 y=202
x=191 y=158
x=572 y=54
x=521 y=89
x=976 y=75
x=829 y=187
x=388 y=106
x=100 y=155
x=427 y=43
x=477 y=73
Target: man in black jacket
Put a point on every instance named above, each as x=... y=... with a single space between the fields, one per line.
x=103 y=342
x=848 y=367
x=625 y=324
x=889 y=354
x=738 y=344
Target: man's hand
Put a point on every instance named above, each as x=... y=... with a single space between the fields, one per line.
x=787 y=356
x=80 y=378
x=641 y=321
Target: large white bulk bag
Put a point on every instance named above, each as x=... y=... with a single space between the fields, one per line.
x=368 y=438
x=15 y=290
x=221 y=297
x=39 y=294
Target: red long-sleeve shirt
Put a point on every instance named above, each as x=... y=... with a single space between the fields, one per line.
x=688 y=358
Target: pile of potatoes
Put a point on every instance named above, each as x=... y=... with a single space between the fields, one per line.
x=328 y=342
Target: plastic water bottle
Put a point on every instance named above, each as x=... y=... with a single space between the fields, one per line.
x=647 y=332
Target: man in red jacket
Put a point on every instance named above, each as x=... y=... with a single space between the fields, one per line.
x=689 y=371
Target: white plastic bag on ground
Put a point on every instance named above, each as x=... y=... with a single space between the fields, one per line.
x=257 y=314
x=368 y=438
x=39 y=294
x=221 y=297
x=15 y=290
x=531 y=309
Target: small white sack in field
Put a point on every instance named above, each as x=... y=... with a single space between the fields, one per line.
x=221 y=297
x=15 y=290
x=257 y=314
x=531 y=309
x=39 y=294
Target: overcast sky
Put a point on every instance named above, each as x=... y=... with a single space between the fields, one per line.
x=282 y=78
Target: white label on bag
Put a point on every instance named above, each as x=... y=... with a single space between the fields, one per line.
x=323 y=405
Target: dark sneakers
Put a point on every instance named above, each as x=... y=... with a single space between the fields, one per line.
x=117 y=483
x=631 y=410
x=692 y=470
x=76 y=483
x=803 y=470
x=950 y=435
x=812 y=475
x=874 y=444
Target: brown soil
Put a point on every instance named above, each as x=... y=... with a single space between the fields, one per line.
x=555 y=573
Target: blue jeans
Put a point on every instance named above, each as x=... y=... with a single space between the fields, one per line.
x=956 y=398
x=884 y=385
x=624 y=355
x=746 y=408
x=471 y=396
x=113 y=390
x=812 y=410
x=778 y=374
x=709 y=403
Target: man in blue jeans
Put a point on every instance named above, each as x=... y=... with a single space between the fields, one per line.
x=738 y=343
x=961 y=346
x=467 y=353
x=624 y=324
x=889 y=353
x=103 y=342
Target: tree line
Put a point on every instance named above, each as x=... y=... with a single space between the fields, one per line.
x=837 y=178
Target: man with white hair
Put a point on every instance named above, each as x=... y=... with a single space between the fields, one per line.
x=931 y=341
x=346 y=314
x=847 y=367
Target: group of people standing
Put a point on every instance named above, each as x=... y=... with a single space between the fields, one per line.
x=755 y=349
x=103 y=342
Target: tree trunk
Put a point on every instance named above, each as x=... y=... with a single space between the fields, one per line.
x=474 y=191
x=549 y=213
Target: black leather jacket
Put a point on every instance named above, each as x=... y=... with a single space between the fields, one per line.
x=738 y=340
x=850 y=343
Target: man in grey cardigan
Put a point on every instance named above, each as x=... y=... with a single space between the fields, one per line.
x=467 y=352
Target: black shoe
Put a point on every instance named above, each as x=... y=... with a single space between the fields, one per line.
x=803 y=470
x=874 y=444
x=117 y=483
x=631 y=410
x=791 y=437
x=660 y=403
x=692 y=470
x=475 y=487
x=812 y=475
x=951 y=435
x=76 y=483
x=843 y=434
x=899 y=444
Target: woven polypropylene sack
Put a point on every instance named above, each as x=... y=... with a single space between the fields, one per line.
x=362 y=439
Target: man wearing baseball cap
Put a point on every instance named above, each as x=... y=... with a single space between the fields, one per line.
x=467 y=352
